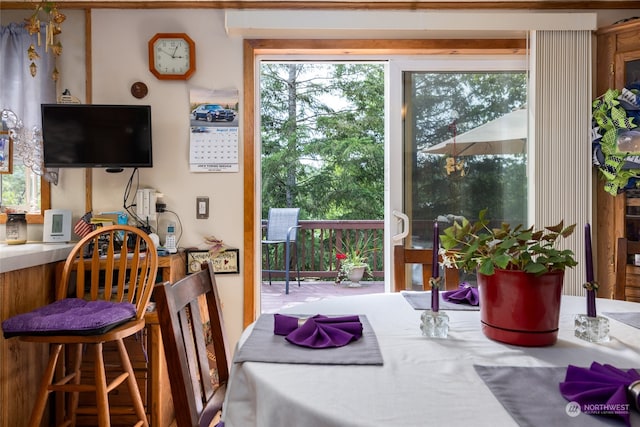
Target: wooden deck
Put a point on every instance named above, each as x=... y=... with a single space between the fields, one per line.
x=273 y=297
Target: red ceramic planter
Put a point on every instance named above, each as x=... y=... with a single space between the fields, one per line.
x=520 y=308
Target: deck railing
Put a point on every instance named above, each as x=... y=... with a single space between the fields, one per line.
x=318 y=242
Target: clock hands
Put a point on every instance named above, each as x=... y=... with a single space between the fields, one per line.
x=172 y=55
x=165 y=52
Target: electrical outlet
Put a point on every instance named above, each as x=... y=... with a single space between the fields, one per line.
x=202 y=207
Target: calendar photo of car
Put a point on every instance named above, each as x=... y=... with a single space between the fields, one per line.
x=213 y=113
x=213 y=108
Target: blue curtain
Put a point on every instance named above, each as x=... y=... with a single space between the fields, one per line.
x=19 y=91
x=22 y=93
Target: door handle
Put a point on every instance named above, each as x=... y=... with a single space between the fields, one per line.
x=404 y=219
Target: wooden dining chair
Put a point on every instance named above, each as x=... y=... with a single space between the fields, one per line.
x=195 y=346
x=101 y=298
x=627 y=274
x=403 y=257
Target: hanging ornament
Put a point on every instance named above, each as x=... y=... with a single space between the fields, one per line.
x=52 y=27
x=453 y=164
x=32 y=53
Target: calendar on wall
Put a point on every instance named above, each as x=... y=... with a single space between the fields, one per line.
x=214 y=151
x=213 y=144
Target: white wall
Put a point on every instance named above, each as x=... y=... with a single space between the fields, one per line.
x=120 y=58
x=119 y=55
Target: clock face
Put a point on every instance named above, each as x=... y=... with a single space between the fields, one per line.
x=172 y=56
x=195 y=266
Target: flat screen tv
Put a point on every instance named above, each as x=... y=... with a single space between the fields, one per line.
x=96 y=136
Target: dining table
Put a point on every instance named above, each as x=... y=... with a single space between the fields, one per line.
x=402 y=378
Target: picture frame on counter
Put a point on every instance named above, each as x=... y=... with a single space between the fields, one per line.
x=6 y=154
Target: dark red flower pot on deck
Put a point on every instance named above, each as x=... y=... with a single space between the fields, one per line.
x=521 y=308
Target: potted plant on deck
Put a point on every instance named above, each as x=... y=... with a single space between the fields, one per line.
x=520 y=275
x=353 y=261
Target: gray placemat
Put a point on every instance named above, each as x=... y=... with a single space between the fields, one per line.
x=532 y=397
x=263 y=345
x=631 y=319
x=422 y=301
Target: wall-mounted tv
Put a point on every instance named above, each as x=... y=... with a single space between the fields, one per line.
x=96 y=136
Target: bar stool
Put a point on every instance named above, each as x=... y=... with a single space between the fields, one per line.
x=104 y=301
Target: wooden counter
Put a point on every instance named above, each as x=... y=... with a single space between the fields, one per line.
x=22 y=364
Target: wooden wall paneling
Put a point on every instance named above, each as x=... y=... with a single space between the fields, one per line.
x=22 y=364
x=615 y=44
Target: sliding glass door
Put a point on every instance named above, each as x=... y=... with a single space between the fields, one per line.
x=463 y=127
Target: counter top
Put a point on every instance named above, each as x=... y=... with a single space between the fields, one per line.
x=16 y=257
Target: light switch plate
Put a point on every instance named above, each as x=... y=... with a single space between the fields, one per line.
x=202 y=207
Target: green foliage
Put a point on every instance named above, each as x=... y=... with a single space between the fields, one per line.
x=476 y=98
x=323 y=147
x=355 y=254
x=327 y=157
x=13 y=186
x=476 y=246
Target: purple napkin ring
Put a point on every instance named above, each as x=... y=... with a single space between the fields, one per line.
x=634 y=393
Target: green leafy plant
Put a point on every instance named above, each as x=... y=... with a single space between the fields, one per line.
x=477 y=247
x=354 y=255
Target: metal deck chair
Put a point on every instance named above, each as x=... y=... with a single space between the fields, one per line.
x=282 y=229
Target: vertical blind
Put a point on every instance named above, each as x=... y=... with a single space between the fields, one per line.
x=560 y=158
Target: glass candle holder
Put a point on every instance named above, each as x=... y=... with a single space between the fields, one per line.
x=592 y=329
x=434 y=324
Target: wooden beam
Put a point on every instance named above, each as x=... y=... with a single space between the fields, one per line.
x=336 y=5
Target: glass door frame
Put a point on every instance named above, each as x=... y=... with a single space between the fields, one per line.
x=395 y=157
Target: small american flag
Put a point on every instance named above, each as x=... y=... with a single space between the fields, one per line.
x=83 y=226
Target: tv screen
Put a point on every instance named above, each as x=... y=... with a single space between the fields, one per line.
x=96 y=136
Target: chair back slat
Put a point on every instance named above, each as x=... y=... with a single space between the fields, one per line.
x=94 y=288
x=193 y=336
x=107 y=268
x=407 y=256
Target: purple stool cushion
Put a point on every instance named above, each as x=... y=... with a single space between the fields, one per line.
x=70 y=316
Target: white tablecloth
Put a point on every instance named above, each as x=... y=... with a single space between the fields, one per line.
x=423 y=382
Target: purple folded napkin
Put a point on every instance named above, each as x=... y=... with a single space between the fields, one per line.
x=318 y=331
x=465 y=294
x=602 y=390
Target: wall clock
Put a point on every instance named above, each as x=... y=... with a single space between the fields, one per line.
x=172 y=56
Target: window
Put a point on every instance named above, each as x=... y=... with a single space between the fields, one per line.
x=24 y=190
x=465 y=134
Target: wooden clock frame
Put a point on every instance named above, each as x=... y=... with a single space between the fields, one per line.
x=192 y=56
